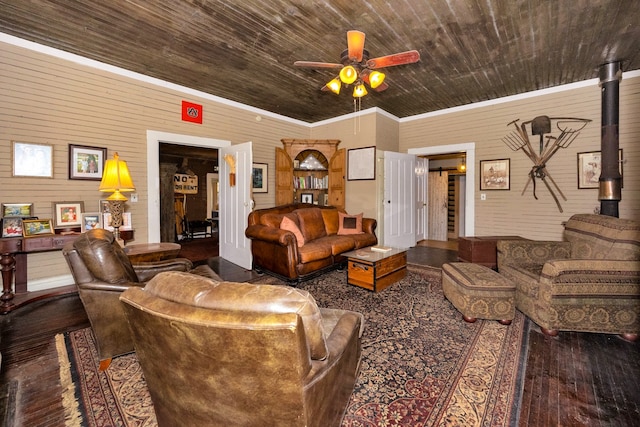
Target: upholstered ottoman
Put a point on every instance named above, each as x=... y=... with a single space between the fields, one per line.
x=478 y=292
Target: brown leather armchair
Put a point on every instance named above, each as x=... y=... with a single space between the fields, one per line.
x=101 y=271
x=241 y=354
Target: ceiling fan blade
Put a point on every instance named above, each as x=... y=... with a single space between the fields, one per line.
x=401 y=58
x=311 y=64
x=355 y=45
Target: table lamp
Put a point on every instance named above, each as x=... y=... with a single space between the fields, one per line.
x=116 y=180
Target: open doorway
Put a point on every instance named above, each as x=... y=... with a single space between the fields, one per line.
x=466 y=206
x=184 y=176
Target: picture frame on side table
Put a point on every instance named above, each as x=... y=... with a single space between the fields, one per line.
x=37 y=228
x=306 y=198
x=590 y=166
x=67 y=214
x=104 y=206
x=495 y=174
x=91 y=221
x=12 y=227
x=361 y=164
x=86 y=162
x=260 y=178
x=21 y=210
x=34 y=160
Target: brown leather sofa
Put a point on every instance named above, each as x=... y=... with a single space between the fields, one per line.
x=241 y=354
x=589 y=282
x=101 y=271
x=280 y=253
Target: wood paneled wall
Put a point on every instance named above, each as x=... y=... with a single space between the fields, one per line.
x=509 y=212
x=46 y=99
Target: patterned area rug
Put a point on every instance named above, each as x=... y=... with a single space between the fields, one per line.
x=422 y=365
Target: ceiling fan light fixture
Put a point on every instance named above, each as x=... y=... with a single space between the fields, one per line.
x=376 y=78
x=360 y=90
x=348 y=74
x=334 y=86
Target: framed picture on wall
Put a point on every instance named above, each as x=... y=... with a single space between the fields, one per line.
x=32 y=159
x=86 y=162
x=494 y=174
x=260 y=178
x=361 y=164
x=589 y=167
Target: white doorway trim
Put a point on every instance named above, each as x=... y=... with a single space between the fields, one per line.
x=470 y=149
x=154 y=138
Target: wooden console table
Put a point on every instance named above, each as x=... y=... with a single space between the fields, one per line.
x=481 y=249
x=13 y=263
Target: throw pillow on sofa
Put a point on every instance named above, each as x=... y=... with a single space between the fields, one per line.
x=349 y=224
x=289 y=225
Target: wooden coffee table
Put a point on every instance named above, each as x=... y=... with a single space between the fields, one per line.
x=147 y=252
x=376 y=270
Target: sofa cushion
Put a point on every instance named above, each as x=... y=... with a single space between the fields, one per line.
x=314 y=251
x=198 y=291
x=330 y=217
x=311 y=223
x=603 y=237
x=338 y=244
x=289 y=225
x=349 y=224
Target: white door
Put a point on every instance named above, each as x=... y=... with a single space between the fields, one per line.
x=438 y=205
x=235 y=203
x=422 y=218
x=399 y=200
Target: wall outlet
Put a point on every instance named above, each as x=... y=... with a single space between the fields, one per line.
x=134 y=198
x=483 y=196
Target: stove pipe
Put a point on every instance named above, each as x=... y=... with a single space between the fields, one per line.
x=610 y=192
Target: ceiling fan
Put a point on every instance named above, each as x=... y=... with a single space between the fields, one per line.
x=356 y=68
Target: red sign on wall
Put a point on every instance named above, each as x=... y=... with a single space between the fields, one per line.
x=191 y=112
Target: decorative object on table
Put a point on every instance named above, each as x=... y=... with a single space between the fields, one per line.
x=306 y=198
x=231 y=161
x=116 y=179
x=22 y=210
x=126 y=221
x=589 y=167
x=91 y=220
x=519 y=140
x=361 y=164
x=11 y=227
x=67 y=214
x=37 y=228
x=260 y=178
x=495 y=174
x=86 y=162
x=32 y=160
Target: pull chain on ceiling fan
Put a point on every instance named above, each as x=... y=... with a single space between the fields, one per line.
x=356 y=68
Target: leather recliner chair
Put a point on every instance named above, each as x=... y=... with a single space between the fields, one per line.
x=242 y=354
x=101 y=271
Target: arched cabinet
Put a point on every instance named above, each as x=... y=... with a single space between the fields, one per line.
x=310 y=170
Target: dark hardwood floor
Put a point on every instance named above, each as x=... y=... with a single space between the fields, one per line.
x=575 y=379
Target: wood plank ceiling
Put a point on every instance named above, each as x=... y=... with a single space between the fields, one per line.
x=243 y=50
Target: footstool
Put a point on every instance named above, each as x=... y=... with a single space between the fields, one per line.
x=479 y=292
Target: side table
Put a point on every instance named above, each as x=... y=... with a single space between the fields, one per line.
x=148 y=252
x=481 y=249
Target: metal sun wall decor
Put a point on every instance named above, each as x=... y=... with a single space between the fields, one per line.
x=541 y=126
